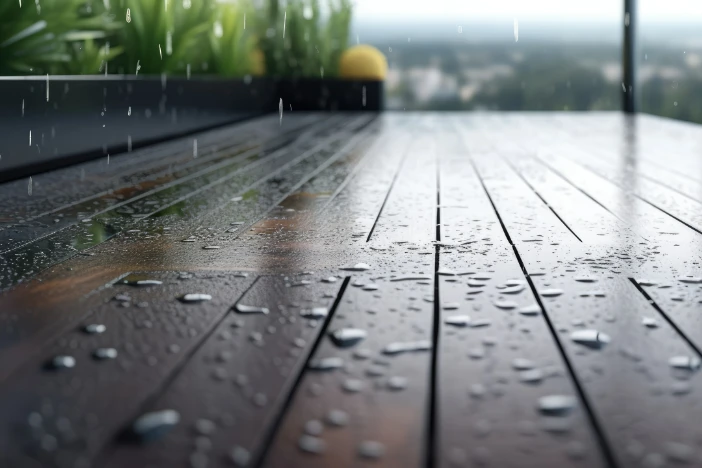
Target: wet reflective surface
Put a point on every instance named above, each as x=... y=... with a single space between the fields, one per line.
x=341 y=290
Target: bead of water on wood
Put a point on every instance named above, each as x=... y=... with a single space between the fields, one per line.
x=313 y=427
x=247 y=309
x=94 y=328
x=457 y=320
x=240 y=457
x=590 y=338
x=314 y=313
x=551 y=292
x=685 y=362
x=530 y=310
x=205 y=426
x=312 y=445
x=347 y=337
x=371 y=449
x=357 y=267
x=326 y=364
x=397 y=383
x=556 y=404
x=105 y=353
x=62 y=362
x=523 y=364
x=154 y=425
x=649 y=322
x=195 y=297
x=352 y=385
x=337 y=418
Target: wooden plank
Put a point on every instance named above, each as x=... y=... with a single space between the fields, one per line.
x=385 y=395
x=627 y=383
x=241 y=377
x=83 y=407
x=490 y=377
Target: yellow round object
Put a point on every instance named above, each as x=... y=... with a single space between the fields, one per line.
x=363 y=62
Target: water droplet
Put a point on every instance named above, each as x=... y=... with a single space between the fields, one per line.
x=371 y=449
x=450 y=305
x=530 y=310
x=507 y=305
x=337 y=418
x=556 y=404
x=357 y=267
x=314 y=313
x=443 y=271
x=397 y=383
x=409 y=346
x=129 y=15
x=313 y=427
x=195 y=297
x=458 y=320
x=410 y=278
x=143 y=282
x=352 y=385
x=685 y=362
x=105 y=353
x=247 y=309
x=590 y=338
x=649 y=322
x=531 y=376
x=94 y=329
x=152 y=426
x=330 y=279
x=240 y=457
x=311 y=444
x=326 y=364
x=347 y=337
x=513 y=289
x=480 y=323
x=551 y=292
x=523 y=364
x=690 y=279
x=62 y=362
x=586 y=279
x=212 y=247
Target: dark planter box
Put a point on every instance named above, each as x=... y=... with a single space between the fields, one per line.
x=83 y=118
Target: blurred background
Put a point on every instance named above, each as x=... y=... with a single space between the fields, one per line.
x=442 y=54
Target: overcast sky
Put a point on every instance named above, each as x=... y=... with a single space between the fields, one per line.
x=528 y=10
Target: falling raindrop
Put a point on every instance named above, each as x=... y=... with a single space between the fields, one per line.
x=280 y=109
x=218 y=30
x=195 y=148
x=285 y=20
x=129 y=15
x=160 y=53
x=29 y=186
x=516 y=30
x=169 y=43
x=47 y=87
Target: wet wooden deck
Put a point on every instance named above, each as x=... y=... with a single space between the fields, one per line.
x=508 y=290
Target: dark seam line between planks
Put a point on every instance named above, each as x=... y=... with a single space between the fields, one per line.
x=640 y=198
x=541 y=198
x=151 y=399
x=387 y=195
x=432 y=434
x=597 y=428
x=306 y=178
x=665 y=316
x=559 y=174
x=269 y=434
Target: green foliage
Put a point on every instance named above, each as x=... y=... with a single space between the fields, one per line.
x=165 y=36
x=297 y=40
x=37 y=37
x=231 y=47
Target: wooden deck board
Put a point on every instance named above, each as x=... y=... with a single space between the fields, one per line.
x=595 y=218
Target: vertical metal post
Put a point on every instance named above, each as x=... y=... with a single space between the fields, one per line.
x=629 y=88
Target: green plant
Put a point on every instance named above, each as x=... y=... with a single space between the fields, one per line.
x=166 y=36
x=297 y=41
x=231 y=47
x=35 y=36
